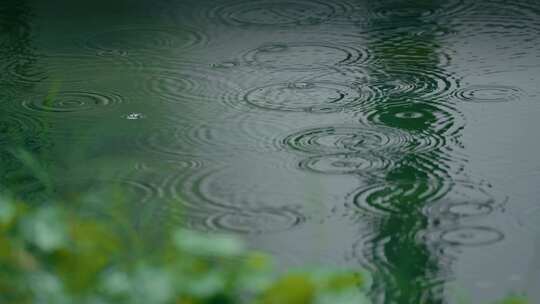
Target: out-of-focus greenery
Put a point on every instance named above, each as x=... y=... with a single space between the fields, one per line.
x=514 y=300
x=54 y=254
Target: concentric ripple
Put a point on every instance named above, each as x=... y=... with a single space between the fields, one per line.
x=466 y=236
x=349 y=138
x=126 y=40
x=219 y=189
x=346 y=163
x=489 y=93
x=431 y=125
x=72 y=101
x=415 y=82
x=256 y=222
x=404 y=10
x=305 y=56
x=185 y=87
x=516 y=21
x=317 y=97
x=466 y=200
x=17 y=127
x=342 y=139
x=229 y=135
x=397 y=197
x=162 y=165
x=217 y=199
x=275 y=13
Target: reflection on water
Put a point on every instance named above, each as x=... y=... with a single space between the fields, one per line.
x=288 y=121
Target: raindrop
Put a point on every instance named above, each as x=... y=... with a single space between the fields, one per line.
x=134 y=116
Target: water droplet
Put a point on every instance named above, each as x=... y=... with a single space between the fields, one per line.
x=134 y=116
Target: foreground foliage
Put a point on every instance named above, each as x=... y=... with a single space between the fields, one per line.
x=52 y=254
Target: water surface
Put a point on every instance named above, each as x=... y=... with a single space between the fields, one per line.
x=397 y=136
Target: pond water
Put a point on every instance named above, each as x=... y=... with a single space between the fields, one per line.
x=395 y=135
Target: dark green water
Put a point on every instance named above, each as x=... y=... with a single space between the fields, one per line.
x=398 y=136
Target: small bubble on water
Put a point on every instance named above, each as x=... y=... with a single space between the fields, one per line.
x=112 y=53
x=134 y=116
x=225 y=65
x=301 y=85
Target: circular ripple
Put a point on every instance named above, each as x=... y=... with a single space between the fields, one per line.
x=469 y=209
x=517 y=21
x=23 y=70
x=17 y=128
x=430 y=125
x=161 y=165
x=195 y=86
x=415 y=83
x=345 y=163
x=72 y=101
x=228 y=135
x=489 y=93
x=466 y=200
x=305 y=56
x=396 y=10
x=126 y=40
x=217 y=191
x=275 y=13
x=346 y=139
x=319 y=97
x=260 y=221
x=471 y=236
x=406 y=197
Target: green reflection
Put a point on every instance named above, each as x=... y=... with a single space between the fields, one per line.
x=409 y=272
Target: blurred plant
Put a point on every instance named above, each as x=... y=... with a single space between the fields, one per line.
x=53 y=254
x=514 y=300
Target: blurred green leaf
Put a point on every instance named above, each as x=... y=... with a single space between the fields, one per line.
x=152 y=285
x=514 y=300
x=7 y=210
x=45 y=228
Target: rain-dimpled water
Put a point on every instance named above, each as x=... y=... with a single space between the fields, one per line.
x=395 y=136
